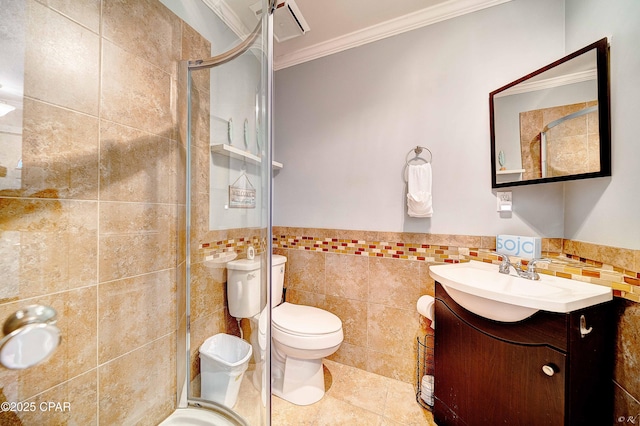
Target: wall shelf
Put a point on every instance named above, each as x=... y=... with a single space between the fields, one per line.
x=233 y=152
x=510 y=172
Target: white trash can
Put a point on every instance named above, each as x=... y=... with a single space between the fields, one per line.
x=223 y=360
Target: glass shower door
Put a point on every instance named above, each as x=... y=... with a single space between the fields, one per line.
x=228 y=216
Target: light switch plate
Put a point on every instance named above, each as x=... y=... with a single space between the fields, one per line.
x=505 y=201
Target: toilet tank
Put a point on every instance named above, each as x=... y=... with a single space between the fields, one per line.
x=277 y=278
x=243 y=287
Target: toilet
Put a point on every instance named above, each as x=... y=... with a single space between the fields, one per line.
x=301 y=335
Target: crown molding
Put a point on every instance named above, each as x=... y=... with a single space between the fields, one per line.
x=549 y=83
x=228 y=16
x=412 y=21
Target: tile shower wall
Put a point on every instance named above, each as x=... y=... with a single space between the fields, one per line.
x=372 y=281
x=93 y=229
x=570 y=145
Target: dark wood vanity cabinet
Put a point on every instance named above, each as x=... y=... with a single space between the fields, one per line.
x=539 y=371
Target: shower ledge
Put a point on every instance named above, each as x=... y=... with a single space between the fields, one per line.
x=233 y=152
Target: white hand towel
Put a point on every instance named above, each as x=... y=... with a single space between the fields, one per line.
x=419 y=190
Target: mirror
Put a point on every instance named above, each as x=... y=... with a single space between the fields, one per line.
x=553 y=124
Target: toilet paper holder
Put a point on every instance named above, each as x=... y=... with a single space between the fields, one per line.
x=30 y=337
x=426 y=307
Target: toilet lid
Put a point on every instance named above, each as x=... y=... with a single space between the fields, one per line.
x=305 y=320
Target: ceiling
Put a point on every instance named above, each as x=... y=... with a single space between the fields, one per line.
x=334 y=19
x=337 y=25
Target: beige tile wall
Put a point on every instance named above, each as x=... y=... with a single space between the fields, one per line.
x=372 y=281
x=374 y=296
x=94 y=229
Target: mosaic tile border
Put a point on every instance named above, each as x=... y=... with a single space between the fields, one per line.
x=395 y=250
x=625 y=283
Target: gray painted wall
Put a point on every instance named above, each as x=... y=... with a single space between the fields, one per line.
x=345 y=123
x=607 y=210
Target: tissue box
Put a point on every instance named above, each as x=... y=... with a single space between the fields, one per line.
x=515 y=245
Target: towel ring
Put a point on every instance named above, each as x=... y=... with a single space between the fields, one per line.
x=417 y=151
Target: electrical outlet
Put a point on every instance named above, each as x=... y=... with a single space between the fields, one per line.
x=504 y=201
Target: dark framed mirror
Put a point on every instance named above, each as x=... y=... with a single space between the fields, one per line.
x=553 y=124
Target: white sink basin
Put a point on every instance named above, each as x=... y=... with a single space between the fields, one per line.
x=481 y=289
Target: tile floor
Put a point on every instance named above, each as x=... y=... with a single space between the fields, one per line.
x=354 y=397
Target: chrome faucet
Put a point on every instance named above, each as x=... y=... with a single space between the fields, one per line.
x=529 y=273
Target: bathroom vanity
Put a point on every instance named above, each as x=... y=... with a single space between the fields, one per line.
x=548 y=369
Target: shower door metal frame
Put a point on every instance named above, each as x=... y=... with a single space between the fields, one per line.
x=183 y=398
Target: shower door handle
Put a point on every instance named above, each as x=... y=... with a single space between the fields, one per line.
x=31 y=337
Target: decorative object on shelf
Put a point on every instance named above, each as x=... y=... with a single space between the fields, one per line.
x=230 y=131
x=501 y=160
x=258 y=143
x=246 y=133
x=242 y=194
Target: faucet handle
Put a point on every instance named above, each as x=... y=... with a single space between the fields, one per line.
x=505 y=263
x=533 y=262
x=531 y=267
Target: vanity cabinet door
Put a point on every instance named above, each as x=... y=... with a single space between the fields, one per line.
x=481 y=380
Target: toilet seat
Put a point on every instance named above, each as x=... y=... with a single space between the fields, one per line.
x=301 y=320
x=306 y=328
